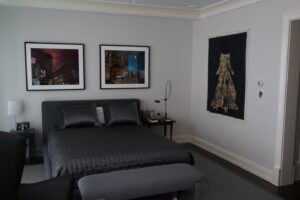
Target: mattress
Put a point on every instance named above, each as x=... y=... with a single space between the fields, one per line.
x=85 y=151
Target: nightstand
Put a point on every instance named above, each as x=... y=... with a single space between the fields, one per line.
x=29 y=135
x=161 y=122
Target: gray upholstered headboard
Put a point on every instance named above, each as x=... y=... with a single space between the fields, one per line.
x=50 y=118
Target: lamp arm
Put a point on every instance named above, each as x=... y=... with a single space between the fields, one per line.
x=166 y=109
x=168 y=90
x=15 y=122
x=167 y=96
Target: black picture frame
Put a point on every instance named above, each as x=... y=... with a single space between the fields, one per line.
x=124 y=66
x=54 y=66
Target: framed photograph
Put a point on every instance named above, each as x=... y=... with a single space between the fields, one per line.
x=124 y=67
x=54 y=66
x=227 y=75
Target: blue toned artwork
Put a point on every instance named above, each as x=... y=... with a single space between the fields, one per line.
x=136 y=61
x=124 y=66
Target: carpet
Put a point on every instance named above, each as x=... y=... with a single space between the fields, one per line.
x=224 y=182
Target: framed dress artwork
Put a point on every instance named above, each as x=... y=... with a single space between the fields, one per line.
x=227 y=75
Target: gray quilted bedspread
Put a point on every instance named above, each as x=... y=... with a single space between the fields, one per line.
x=85 y=151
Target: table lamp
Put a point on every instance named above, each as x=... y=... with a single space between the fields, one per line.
x=167 y=96
x=14 y=108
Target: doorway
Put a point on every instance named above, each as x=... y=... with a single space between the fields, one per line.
x=290 y=155
x=295 y=55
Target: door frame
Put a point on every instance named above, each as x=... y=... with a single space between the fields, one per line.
x=284 y=178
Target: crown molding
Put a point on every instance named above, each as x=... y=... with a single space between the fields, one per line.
x=132 y=9
x=110 y=8
x=225 y=6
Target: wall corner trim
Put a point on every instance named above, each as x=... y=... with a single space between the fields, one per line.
x=225 y=7
x=276 y=175
x=269 y=175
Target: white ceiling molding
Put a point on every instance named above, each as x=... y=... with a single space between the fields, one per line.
x=111 y=8
x=225 y=7
x=132 y=9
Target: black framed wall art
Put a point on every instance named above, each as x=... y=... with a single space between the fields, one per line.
x=124 y=67
x=54 y=66
x=227 y=75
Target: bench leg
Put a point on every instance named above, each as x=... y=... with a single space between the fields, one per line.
x=204 y=190
x=197 y=191
x=174 y=196
x=201 y=191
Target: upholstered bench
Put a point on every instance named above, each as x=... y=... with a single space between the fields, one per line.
x=141 y=182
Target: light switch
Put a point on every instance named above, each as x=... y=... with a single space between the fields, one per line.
x=260 y=83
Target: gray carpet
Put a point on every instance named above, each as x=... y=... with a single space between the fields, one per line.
x=224 y=183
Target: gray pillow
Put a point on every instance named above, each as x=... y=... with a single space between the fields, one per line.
x=123 y=113
x=76 y=116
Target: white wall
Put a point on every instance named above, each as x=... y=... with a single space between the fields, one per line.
x=251 y=143
x=171 y=57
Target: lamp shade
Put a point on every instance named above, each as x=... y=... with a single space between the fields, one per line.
x=14 y=108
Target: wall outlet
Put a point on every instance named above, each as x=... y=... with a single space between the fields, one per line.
x=260 y=94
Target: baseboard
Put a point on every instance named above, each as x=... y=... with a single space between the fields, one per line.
x=270 y=175
x=182 y=139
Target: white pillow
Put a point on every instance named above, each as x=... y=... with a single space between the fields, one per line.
x=100 y=114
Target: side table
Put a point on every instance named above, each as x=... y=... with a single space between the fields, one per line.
x=161 y=122
x=29 y=135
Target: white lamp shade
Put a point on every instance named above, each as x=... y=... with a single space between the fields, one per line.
x=14 y=108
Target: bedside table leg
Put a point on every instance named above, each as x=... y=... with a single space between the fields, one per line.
x=31 y=148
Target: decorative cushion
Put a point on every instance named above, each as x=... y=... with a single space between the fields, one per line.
x=100 y=114
x=123 y=113
x=75 y=116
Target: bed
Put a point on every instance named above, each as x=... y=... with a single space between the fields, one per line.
x=82 y=151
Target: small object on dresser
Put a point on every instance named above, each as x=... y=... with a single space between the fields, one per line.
x=152 y=120
x=23 y=126
x=159 y=116
x=149 y=116
x=152 y=115
x=160 y=122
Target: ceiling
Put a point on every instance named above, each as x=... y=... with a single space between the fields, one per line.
x=191 y=4
x=180 y=9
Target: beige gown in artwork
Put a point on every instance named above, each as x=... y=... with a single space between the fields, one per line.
x=225 y=93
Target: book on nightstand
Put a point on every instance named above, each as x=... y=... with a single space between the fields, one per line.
x=152 y=120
